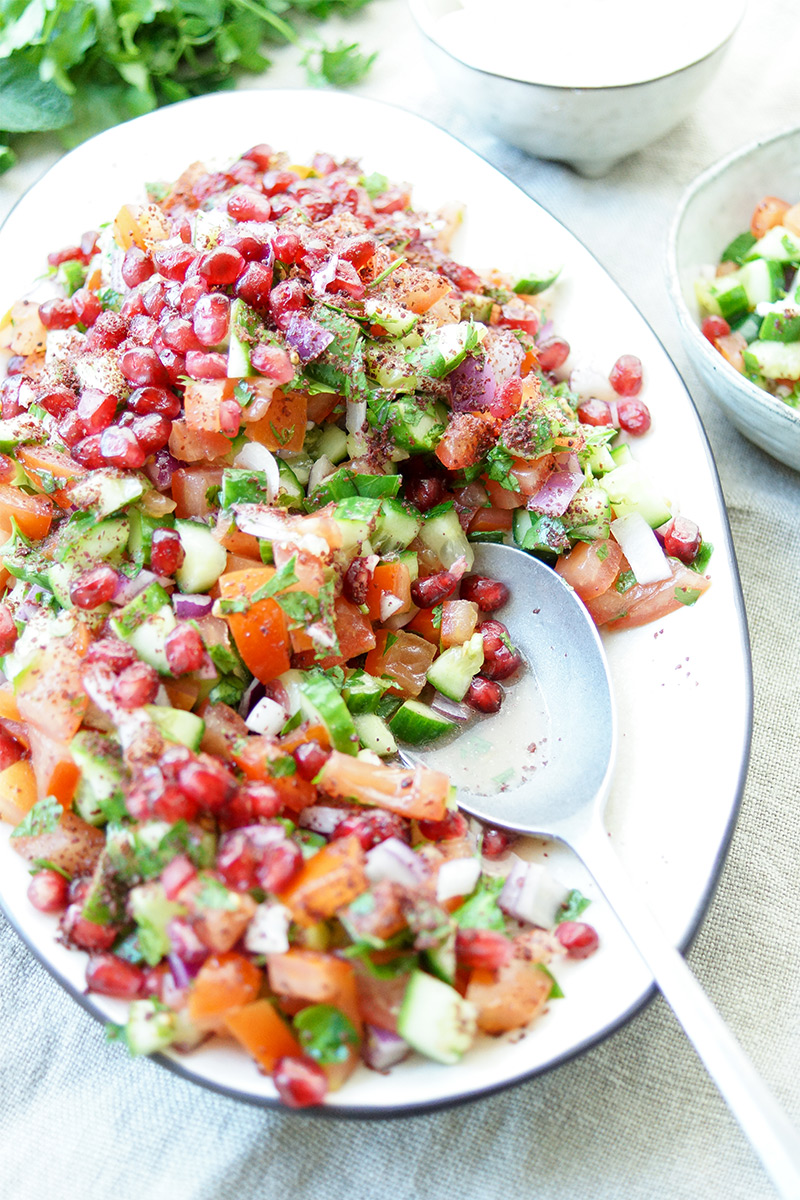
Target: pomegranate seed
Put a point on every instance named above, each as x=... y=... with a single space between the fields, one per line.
x=58 y=401
x=8 y=630
x=87 y=452
x=86 y=306
x=272 y=361
x=178 y=334
x=626 y=375
x=96 y=409
x=552 y=353
x=323 y=164
x=578 y=939
x=393 y=200
x=280 y=864
x=173 y=262
x=151 y=432
x=211 y=318
x=275 y=182
x=310 y=758
x=119 y=448
x=372 y=827
x=453 y=825
x=249 y=206
x=261 y=155
x=87 y=935
x=518 y=315
x=192 y=291
x=487 y=949
x=48 y=891
x=221 y=266
x=634 y=416
x=12 y=391
x=433 y=589
x=507 y=400
x=682 y=539
x=67 y=254
x=184 y=650
x=359 y=249
x=255 y=285
x=132 y=306
x=202 y=364
x=263 y=800
x=425 y=492
x=181 y=228
x=355 y=584
x=166 y=553
x=137 y=266
x=155 y=299
x=179 y=871
x=253 y=243
x=108 y=331
x=175 y=366
x=94 y=587
x=484 y=695
x=715 y=327
x=136 y=686
x=11 y=750
x=142 y=329
x=147 y=400
x=287 y=246
x=16 y=364
x=112 y=653
x=465 y=279
x=109 y=975
x=496 y=842
x=174 y=805
x=488 y=594
x=230 y=417
x=207 y=782
x=57 y=314
x=238 y=857
x=500 y=659
x=595 y=412
x=287 y=297
x=299 y=1081
x=142 y=367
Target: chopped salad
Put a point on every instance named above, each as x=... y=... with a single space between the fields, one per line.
x=247 y=444
x=750 y=301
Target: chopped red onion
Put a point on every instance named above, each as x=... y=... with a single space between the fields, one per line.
x=190 y=606
x=160 y=469
x=531 y=894
x=382 y=1048
x=179 y=972
x=457 y=877
x=554 y=496
x=472 y=384
x=127 y=588
x=306 y=336
x=322 y=818
x=395 y=861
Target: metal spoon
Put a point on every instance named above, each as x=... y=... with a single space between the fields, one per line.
x=565 y=801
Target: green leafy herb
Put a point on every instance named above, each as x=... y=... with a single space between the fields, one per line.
x=481 y=910
x=555 y=992
x=576 y=904
x=214 y=894
x=436 y=616
x=341 y=65
x=374 y=185
x=285 y=765
x=625 y=582
x=498 y=467
x=687 y=595
x=42 y=818
x=283 y=578
x=325 y=1033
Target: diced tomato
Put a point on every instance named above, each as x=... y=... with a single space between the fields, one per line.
x=509 y=997
x=426 y=623
x=196 y=445
x=224 y=983
x=260 y=631
x=465 y=441
x=50 y=695
x=18 y=792
x=201 y=401
x=389 y=582
x=263 y=1033
x=488 y=520
x=406 y=658
x=41 y=462
x=420 y=792
x=502 y=497
x=328 y=880
x=284 y=425
x=643 y=603
x=33 y=514
x=54 y=767
x=591 y=567
x=459 y=618
x=255 y=757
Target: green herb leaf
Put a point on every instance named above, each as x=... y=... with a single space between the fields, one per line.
x=575 y=905
x=44 y=817
x=325 y=1033
x=481 y=910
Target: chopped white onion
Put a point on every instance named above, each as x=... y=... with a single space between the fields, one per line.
x=268 y=717
x=589 y=382
x=321 y=469
x=255 y=457
x=451 y=708
x=321 y=818
x=457 y=877
x=531 y=894
x=392 y=859
x=641 y=547
x=355 y=415
x=390 y=604
x=268 y=931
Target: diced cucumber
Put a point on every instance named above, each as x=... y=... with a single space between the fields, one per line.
x=452 y=672
x=239 y=365
x=177 y=725
x=390 y=369
x=242 y=486
x=737 y=250
x=588 y=514
x=98 y=758
x=773 y=360
x=444 y=350
x=727 y=297
x=442 y=533
x=362 y=692
x=84 y=541
x=779 y=327
x=778 y=244
x=204 y=558
x=441 y=960
x=106 y=490
x=328 y=441
x=291 y=493
x=630 y=489
x=600 y=460
x=19 y=431
x=60 y=578
x=152 y=912
x=395 y=319
x=435 y=1020
x=379 y=486
x=140 y=537
x=300 y=465
x=416 y=423
x=621 y=454
x=762 y=281
x=396 y=526
x=150 y=1027
x=374 y=734
x=541 y=535
x=357 y=518
x=321 y=701
x=417 y=723
x=409 y=559
x=539 y=281
x=146 y=622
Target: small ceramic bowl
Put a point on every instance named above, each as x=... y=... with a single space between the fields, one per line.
x=713 y=210
x=565 y=106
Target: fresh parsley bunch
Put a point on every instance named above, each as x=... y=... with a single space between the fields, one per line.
x=79 y=66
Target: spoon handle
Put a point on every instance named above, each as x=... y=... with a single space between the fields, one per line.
x=761 y=1118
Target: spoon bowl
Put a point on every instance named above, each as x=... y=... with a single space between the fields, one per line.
x=564 y=799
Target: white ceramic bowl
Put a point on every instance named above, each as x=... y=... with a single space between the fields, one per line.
x=713 y=210
x=552 y=108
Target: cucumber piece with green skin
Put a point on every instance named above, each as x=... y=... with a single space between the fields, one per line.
x=239 y=365
x=98 y=758
x=20 y=431
x=541 y=535
x=321 y=701
x=396 y=526
x=357 y=518
x=152 y=911
x=177 y=725
x=145 y=623
x=204 y=558
x=394 y=318
x=588 y=514
x=141 y=530
x=441 y=532
x=533 y=284
x=441 y=960
x=773 y=360
x=762 y=281
x=416 y=723
x=148 y=602
x=416 y=423
x=374 y=734
x=777 y=244
x=150 y=1027
x=106 y=490
x=330 y=442
x=85 y=542
x=377 y=486
x=291 y=493
x=435 y=1020
x=390 y=370
x=299 y=464
x=362 y=692
x=630 y=489
x=453 y=671
x=621 y=454
x=242 y=486
x=336 y=486
x=729 y=297
x=779 y=327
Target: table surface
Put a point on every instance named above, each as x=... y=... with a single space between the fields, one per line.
x=636 y=1110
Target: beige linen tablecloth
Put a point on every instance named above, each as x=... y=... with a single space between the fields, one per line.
x=635 y=1117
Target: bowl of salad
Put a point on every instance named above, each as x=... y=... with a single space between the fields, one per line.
x=260 y=410
x=733 y=260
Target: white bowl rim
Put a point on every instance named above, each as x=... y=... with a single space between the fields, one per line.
x=418 y=9
x=772 y=404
